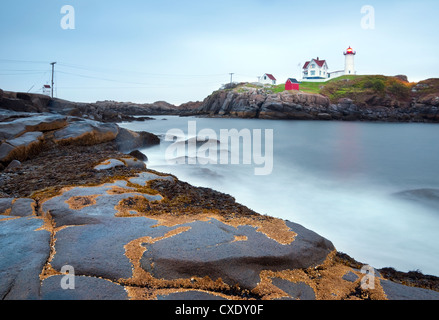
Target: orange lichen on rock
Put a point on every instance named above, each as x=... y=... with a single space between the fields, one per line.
x=240 y=238
x=326 y=281
x=80 y=202
x=143 y=286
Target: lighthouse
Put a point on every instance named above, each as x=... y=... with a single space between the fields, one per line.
x=349 y=67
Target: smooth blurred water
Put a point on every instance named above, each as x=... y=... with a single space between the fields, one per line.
x=335 y=178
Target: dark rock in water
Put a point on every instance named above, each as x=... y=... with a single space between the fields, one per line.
x=134 y=163
x=428 y=197
x=138 y=155
x=127 y=140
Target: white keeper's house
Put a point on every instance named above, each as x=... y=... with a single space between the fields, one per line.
x=268 y=78
x=315 y=69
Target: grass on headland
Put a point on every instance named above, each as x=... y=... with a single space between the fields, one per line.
x=351 y=86
x=355 y=87
x=377 y=85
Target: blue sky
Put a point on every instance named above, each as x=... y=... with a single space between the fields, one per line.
x=179 y=51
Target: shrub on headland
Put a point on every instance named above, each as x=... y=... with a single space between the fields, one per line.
x=361 y=88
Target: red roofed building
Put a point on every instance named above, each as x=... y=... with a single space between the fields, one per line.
x=268 y=78
x=292 y=84
x=315 y=69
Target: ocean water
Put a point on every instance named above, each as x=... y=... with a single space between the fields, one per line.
x=339 y=179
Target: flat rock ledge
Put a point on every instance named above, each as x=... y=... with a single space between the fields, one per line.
x=25 y=135
x=129 y=239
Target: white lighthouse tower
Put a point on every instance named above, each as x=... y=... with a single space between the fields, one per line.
x=349 y=67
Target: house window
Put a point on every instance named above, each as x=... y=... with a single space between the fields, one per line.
x=320 y=72
x=313 y=73
x=265 y=77
x=313 y=66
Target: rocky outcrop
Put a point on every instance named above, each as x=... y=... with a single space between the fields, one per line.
x=21 y=148
x=86 y=132
x=111 y=111
x=249 y=102
x=13 y=124
x=24 y=102
x=24 y=135
x=103 y=111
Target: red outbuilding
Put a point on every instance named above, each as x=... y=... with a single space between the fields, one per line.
x=292 y=84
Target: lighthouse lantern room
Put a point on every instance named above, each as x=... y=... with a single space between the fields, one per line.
x=349 y=61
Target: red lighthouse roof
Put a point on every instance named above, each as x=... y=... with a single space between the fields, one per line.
x=350 y=51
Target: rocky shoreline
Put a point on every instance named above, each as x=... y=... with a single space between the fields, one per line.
x=73 y=193
x=247 y=101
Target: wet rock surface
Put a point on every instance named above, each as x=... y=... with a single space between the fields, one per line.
x=199 y=251
x=125 y=240
x=25 y=248
x=78 y=200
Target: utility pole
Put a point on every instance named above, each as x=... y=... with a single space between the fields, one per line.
x=231 y=77
x=53 y=70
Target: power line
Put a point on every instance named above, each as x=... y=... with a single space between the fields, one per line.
x=106 y=70
x=98 y=78
x=110 y=70
x=22 y=70
x=93 y=73
x=145 y=86
x=23 y=61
